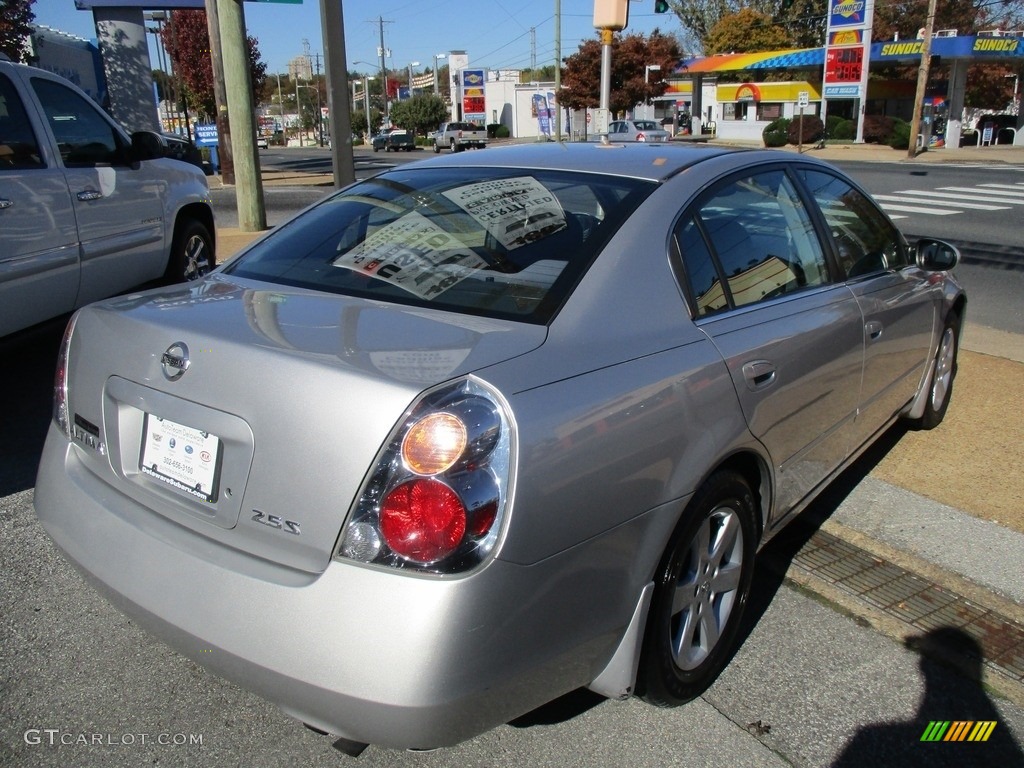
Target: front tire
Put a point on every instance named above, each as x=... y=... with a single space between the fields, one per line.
x=437 y=148
x=940 y=388
x=192 y=254
x=701 y=589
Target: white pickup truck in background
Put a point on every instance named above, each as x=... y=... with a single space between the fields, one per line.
x=460 y=136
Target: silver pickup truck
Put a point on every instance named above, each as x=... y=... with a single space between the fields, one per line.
x=87 y=210
x=460 y=136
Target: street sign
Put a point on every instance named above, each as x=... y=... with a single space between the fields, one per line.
x=803 y=99
x=206 y=135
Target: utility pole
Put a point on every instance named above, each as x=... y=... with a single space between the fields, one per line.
x=384 y=72
x=558 y=70
x=340 y=125
x=225 y=157
x=252 y=216
x=922 y=81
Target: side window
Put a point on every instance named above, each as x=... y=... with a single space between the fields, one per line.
x=865 y=240
x=19 y=149
x=84 y=137
x=750 y=241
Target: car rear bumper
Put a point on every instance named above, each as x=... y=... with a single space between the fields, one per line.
x=365 y=653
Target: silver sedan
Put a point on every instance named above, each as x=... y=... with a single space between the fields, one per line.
x=484 y=429
x=637 y=130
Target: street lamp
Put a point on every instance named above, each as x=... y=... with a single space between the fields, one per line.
x=366 y=105
x=411 y=65
x=437 y=91
x=647 y=71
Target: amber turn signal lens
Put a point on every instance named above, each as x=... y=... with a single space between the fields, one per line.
x=434 y=443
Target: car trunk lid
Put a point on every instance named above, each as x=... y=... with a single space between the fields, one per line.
x=277 y=402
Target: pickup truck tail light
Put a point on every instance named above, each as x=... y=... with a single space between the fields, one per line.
x=436 y=498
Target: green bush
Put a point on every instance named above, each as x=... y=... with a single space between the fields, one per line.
x=900 y=137
x=812 y=129
x=843 y=130
x=492 y=130
x=502 y=132
x=776 y=133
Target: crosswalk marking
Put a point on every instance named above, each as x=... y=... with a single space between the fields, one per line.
x=947 y=201
x=901 y=197
x=954 y=196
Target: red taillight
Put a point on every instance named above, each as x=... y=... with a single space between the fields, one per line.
x=423 y=520
x=641 y=137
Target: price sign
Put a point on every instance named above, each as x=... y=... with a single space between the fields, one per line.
x=844 y=65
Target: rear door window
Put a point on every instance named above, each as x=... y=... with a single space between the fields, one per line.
x=751 y=240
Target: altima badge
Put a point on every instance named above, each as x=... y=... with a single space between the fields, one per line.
x=175 y=361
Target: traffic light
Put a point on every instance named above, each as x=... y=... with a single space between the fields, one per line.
x=661 y=6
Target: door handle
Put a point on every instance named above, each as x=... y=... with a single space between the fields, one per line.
x=873 y=329
x=759 y=374
x=89 y=194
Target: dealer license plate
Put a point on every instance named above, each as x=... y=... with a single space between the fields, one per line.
x=181 y=456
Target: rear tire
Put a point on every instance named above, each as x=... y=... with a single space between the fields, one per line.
x=437 y=148
x=940 y=388
x=701 y=589
x=192 y=254
x=454 y=146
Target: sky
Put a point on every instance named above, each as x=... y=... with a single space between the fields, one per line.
x=495 y=34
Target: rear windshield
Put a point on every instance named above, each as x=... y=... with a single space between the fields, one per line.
x=506 y=243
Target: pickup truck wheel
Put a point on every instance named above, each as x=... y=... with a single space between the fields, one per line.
x=376 y=148
x=437 y=148
x=191 y=253
x=454 y=146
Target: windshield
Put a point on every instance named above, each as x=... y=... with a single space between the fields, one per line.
x=498 y=242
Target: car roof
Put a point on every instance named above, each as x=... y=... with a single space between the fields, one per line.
x=654 y=162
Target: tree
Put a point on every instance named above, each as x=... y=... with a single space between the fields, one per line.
x=15 y=18
x=631 y=83
x=698 y=17
x=187 y=41
x=420 y=114
x=746 y=31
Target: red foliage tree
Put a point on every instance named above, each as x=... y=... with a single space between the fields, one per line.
x=187 y=41
x=632 y=82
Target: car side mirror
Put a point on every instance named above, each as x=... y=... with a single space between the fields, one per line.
x=147 y=145
x=937 y=255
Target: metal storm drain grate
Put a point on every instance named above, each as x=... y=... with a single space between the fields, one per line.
x=914 y=600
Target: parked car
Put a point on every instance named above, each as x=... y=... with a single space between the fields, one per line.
x=87 y=211
x=636 y=130
x=262 y=142
x=379 y=141
x=182 y=148
x=486 y=464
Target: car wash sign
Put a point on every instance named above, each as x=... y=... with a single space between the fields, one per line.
x=847 y=48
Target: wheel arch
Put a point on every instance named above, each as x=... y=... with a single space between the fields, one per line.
x=200 y=212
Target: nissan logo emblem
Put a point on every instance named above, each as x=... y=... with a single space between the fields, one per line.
x=174 y=361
